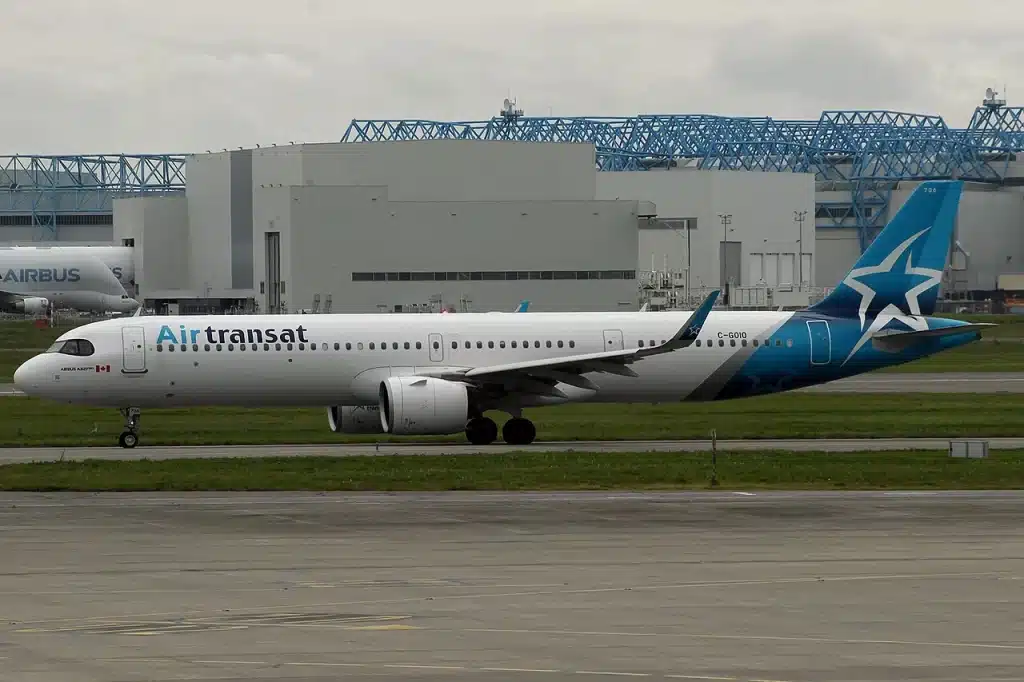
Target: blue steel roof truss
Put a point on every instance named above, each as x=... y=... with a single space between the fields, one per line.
x=868 y=152
x=44 y=187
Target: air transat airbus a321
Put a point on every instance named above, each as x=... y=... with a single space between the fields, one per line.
x=421 y=374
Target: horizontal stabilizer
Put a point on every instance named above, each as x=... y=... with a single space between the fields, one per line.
x=892 y=340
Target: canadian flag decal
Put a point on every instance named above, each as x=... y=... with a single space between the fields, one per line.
x=102 y=368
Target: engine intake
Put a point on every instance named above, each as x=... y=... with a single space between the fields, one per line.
x=34 y=305
x=423 y=406
x=354 y=419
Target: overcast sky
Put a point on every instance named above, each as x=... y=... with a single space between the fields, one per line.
x=89 y=76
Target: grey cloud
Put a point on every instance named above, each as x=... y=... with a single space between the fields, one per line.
x=204 y=74
x=800 y=72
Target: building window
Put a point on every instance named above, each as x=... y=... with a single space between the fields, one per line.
x=492 y=275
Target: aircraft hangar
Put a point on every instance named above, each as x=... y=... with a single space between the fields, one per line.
x=569 y=213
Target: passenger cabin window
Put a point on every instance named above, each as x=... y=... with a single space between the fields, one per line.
x=77 y=347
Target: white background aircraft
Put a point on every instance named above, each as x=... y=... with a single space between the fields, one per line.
x=418 y=374
x=118 y=259
x=34 y=281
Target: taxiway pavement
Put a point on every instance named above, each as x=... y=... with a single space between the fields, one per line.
x=162 y=452
x=942 y=382
x=791 y=587
x=926 y=382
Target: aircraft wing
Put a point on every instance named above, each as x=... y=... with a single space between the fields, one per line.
x=895 y=340
x=12 y=296
x=541 y=375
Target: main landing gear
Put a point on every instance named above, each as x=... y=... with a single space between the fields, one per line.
x=516 y=431
x=129 y=438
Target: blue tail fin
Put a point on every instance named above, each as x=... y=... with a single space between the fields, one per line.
x=903 y=266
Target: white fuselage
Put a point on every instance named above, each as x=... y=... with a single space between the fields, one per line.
x=118 y=259
x=74 y=280
x=341 y=359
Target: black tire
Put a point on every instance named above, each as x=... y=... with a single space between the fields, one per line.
x=128 y=440
x=481 y=431
x=519 y=431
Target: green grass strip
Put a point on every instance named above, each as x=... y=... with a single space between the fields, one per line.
x=28 y=421
x=531 y=471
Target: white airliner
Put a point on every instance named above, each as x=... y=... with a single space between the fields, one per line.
x=118 y=259
x=35 y=281
x=418 y=374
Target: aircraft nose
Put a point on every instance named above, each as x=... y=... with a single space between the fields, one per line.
x=29 y=377
x=23 y=376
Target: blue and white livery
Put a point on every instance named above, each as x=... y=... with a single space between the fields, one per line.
x=418 y=374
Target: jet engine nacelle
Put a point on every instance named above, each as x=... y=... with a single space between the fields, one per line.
x=354 y=419
x=33 y=305
x=422 y=406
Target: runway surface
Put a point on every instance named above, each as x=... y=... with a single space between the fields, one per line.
x=922 y=382
x=159 y=452
x=790 y=587
x=951 y=382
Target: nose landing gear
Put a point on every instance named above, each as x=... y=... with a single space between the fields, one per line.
x=129 y=438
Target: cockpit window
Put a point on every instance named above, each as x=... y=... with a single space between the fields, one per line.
x=77 y=347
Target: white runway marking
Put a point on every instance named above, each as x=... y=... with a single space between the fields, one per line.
x=771 y=638
x=458 y=668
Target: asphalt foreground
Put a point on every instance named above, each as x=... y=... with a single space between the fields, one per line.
x=794 y=587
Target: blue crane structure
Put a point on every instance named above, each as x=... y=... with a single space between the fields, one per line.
x=863 y=152
x=46 y=191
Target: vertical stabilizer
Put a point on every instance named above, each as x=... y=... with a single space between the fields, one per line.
x=902 y=269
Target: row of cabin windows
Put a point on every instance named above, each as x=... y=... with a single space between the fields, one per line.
x=359 y=345
x=419 y=345
x=732 y=342
x=743 y=342
x=515 y=344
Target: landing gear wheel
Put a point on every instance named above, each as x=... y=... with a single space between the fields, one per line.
x=519 y=431
x=129 y=438
x=481 y=431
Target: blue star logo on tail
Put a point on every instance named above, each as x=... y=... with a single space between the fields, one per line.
x=894 y=297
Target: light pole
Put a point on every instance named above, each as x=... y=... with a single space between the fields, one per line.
x=798 y=216
x=726 y=220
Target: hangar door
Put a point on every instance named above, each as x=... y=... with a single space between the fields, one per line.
x=273 y=253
